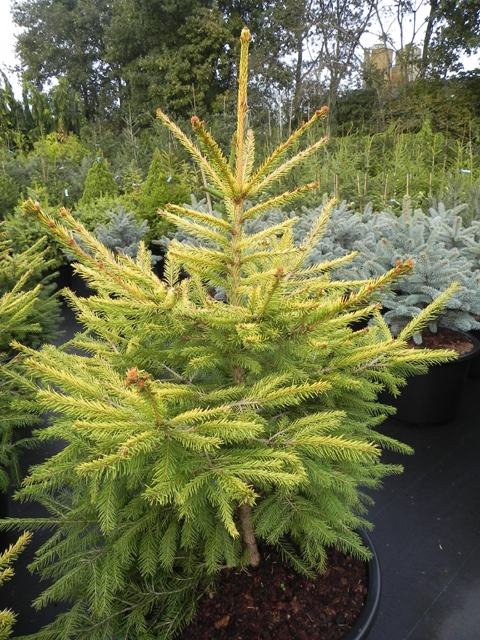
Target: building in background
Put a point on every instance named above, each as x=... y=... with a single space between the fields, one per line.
x=384 y=65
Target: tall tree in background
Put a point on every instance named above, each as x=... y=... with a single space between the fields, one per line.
x=340 y=26
x=442 y=30
x=134 y=56
x=177 y=55
x=452 y=29
x=66 y=38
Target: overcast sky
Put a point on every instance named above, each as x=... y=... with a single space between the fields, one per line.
x=7 y=43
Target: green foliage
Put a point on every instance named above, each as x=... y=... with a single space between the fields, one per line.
x=9 y=194
x=11 y=115
x=163 y=185
x=29 y=311
x=7 y=617
x=100 y=182
x=60 y=167
x=194 y=427
x=454 y=33
x=436 y=243
x=66 y=40
x=24 y=232
x=97 y=212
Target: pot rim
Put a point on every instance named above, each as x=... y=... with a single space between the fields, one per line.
x=473 y=352
x=364 y=623
x=476 y=346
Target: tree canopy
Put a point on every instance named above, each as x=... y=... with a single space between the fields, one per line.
x=138 y=55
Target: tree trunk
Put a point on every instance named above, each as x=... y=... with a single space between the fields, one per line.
x=428 y=36
x=245 y=511
x=298 y=73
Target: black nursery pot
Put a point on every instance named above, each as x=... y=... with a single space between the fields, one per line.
x=364 y=623
x=434 y=398
x=474 y=371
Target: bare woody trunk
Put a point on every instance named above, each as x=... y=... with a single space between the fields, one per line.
x=245 y=511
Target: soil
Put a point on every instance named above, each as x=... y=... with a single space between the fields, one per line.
x=445 y=339
x=273 y=602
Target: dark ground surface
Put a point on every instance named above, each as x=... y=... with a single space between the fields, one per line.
x=427 y=534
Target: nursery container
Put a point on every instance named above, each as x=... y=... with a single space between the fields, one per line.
x=366 y=619
x=434 y=398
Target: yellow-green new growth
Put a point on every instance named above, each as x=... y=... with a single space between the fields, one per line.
x=230 y=402
x=7 y=558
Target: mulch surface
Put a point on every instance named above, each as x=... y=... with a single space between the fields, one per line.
x=445 y=339
x=272 y=602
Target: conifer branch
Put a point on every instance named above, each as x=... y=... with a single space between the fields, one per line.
x=192 y=150
x=285 y=198
x=280 y=151
x=205 y=218
x=198 y=230
x=284 y=169
x=250 y=240
x=427 y=314
x=211 y=191
x=216 y=156
x=278 y=276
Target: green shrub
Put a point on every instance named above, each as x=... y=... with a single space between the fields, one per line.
x=9 y=195
x=29 y=311
x=100 y=182
x=163 y=185
x=24 y=232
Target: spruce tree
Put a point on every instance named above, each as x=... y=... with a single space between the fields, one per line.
x=29 y=311
x=163 y=185
x=100 y=181
x=8 y=617
x=193 y=427
x=122 y=234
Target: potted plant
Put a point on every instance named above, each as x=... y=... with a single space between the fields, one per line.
x=436 y=243
x=203 y=434
x=29 y=311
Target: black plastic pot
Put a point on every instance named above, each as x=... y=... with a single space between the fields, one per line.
x=434 y=398
x=365 y=620
x=474 y=371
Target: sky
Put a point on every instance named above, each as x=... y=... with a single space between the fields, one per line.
x=7 y=44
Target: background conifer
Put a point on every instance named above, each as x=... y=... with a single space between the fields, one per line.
x=163 y=185
x=100 y=181
x=29 y=311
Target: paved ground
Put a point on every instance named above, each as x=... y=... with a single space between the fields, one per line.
x=427 y=531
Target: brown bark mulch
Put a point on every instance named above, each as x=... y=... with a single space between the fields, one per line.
x=273 y=602
x=445 y=339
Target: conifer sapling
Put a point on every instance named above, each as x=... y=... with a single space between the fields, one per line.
x=195 y=427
